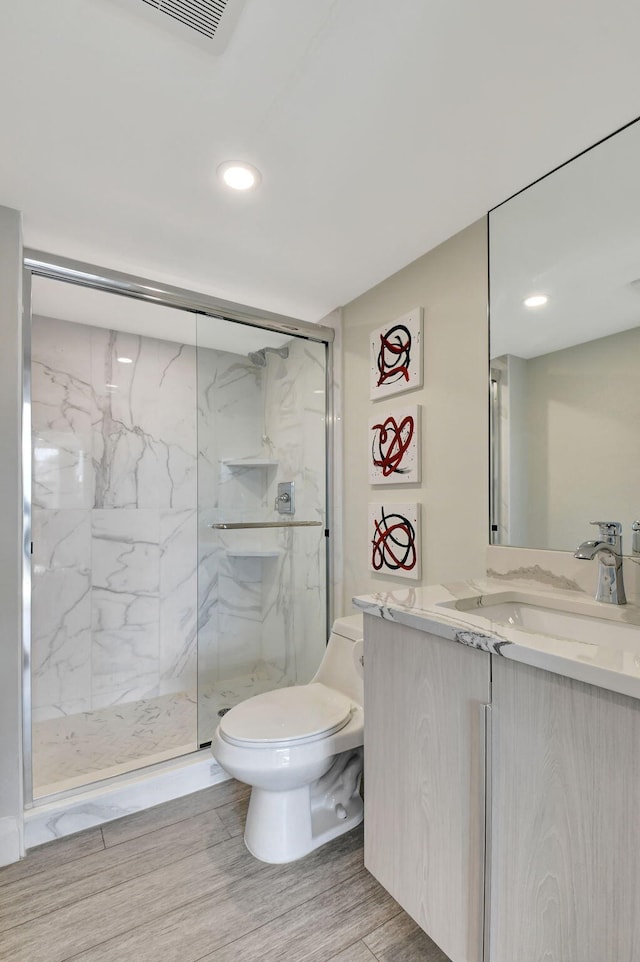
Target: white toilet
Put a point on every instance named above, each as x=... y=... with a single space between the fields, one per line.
x=301 y=750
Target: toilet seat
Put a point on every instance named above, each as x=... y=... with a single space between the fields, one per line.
x=301 y=714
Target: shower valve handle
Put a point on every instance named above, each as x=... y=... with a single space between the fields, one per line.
x=284 y=497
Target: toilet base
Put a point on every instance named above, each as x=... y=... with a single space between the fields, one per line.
x=285 y=826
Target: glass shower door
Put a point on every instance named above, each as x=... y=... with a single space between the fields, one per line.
x=114 y=526
x=261 y=513
x=178 y=515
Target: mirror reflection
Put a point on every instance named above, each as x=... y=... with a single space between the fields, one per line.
x=564 y=259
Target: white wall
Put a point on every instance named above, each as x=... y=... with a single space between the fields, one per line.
x=450 y=283
x=10 y=542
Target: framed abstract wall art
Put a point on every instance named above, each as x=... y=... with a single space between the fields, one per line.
x=396 y=356
x=394 y=446
x=394 y=545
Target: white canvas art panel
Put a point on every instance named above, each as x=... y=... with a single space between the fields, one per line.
x=394 y=540
x=394 y=446
x=396 y=355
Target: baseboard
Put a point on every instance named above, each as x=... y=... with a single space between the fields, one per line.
x=11 y=840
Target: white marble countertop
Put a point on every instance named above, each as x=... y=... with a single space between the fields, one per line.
x=454 y=611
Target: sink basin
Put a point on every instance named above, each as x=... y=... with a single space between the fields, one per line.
x=534 y=616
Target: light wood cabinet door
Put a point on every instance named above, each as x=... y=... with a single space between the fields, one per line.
x=424 y=780
x=565 y=836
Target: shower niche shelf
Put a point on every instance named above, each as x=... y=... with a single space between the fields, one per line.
x=250 y=463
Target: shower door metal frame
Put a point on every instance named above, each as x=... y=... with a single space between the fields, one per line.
x=42 y=264
x=26 y=539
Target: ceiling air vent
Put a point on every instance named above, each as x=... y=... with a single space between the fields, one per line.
x=205 y=22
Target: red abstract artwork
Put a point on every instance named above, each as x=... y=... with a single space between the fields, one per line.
x=395 y=531
x=394 y=451
x=396 y=355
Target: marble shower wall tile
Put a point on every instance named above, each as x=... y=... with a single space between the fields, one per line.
x=126 y=552
x=110 y=434
x=63 y=410
x=119 y=439
x=61 y=612
x=294 y=633
x=294 y=636
x=177 y=416
x=295 y=423
x=230 y=425
x=128 y=589
x=144 y=441
x=280 y=626
x=178 y=600
x=242 y=594
x=61 y=539
x=125 y=656
x=208 y=577
x=267 y=609
x=310 y=602
x=125 y=600
x=240 y=611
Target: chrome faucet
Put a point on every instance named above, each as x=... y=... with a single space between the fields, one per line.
x=609 y=551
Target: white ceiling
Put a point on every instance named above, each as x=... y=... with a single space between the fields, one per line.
x=575 y=237
x=380 y=129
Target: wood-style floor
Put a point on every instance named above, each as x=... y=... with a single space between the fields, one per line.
x=175 y=884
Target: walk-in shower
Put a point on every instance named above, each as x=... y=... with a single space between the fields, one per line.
x=166 y=586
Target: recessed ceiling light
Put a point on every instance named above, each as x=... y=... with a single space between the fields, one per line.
x=125 y=360
x=238 y=175
x=535 y=300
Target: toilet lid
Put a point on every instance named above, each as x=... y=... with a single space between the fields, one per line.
x=306 y=712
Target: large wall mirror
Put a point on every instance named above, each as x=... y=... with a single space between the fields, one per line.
x=564 y=258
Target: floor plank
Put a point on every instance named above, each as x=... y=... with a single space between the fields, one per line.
x=358 y=952
x=53 y=855
x=234 y=815
x=401 y=940
x=99 y=918
x=168 y=813
x=58 y=887
x=176 y=884
x=194 y=930
x=318 y=928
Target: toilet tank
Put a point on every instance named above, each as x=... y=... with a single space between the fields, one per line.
x=341 y=667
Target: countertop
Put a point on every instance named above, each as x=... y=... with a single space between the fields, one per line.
x=604 y=660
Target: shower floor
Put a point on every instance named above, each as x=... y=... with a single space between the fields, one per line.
x=74 y=750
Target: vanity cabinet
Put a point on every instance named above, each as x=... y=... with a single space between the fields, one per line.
x=565 y=820
x=425 y=705
x=546 y=782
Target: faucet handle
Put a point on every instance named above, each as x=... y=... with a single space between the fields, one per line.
x=635 y=545
x=609 y=529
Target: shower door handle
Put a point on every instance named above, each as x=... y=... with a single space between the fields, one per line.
x=228 y=525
